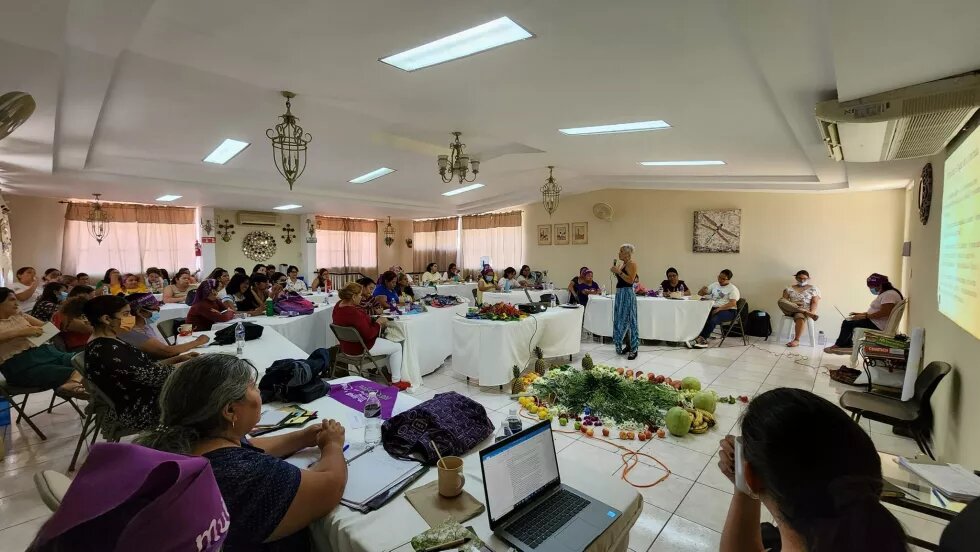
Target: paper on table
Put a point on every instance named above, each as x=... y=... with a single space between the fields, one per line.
x=950 y=479
x=373 y=472
x=48 y=330
x=355 y=419
x=272 y=417
x=309 y=456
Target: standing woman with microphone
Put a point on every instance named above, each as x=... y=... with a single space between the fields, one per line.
x=624 y=312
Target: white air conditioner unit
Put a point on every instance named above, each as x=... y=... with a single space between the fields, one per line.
x=249 y=218
x=915 y=121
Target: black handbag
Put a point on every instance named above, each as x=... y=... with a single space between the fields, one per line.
x=226 y=336
x=299 y=381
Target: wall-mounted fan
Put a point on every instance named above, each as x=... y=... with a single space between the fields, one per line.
x=603 y=211
x=15 y=108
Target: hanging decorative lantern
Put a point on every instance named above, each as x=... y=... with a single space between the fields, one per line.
x=98 y=221
x=289 y=142
x=550 y=192
x=389 y=233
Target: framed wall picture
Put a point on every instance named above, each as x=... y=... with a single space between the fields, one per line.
x=544 y=234
x=580 y=233
x=717 y=231
x=561 y=234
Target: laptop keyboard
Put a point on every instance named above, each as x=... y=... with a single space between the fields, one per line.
x=540 y=523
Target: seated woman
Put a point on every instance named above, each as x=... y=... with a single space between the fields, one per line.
x=154 y=280
x=724 y=296
x=800 y=301
x=27 y=288
x=509 y=280
x=487 y=282
x=253 y=298
x=206 y=310
x=368 y=302
x=270 y=269
x=348 y=313
x=127 y=375
x=322 y=281
x=53 y=294
x=111 y=281
x=586 y=286
x=277 y=279
x=526 y=278
x=239 y=291
x=792 y=444
x=82 y=279
x=70 y=319
x=222 y=277
x=192 y=276
x=875 y=318
x=293 y=283
x=404 y=289
x=240 y=270
x=385 y=291
x=572 y=297
x=431 y=276
x=673 y=286
x=24 y=364
x=69 y=281
x=258 y=269
x=144 y=335
x=207 y=409
x=177 y=291
x=132 y=284
x=398 y=270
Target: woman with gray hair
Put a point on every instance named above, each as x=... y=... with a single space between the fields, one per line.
x=207 y=407
x=624 y=312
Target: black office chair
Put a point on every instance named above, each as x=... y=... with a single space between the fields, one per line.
x=741 y=307
x=913 y=415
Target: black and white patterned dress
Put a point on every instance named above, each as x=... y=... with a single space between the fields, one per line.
x=129 y=377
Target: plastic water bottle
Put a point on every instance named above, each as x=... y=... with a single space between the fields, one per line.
x=821 y=338
x=372 y=415
x=269 y=308
x=502 y=433
x=554 y=300
x=513 y=421
x=239 y=339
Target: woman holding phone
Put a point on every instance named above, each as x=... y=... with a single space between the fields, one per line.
x=624 y=312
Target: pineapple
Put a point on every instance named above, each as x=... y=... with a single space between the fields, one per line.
x=587 y=363
x=540 y=366
x=517 y=386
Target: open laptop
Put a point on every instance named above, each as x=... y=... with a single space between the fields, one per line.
x=527 y=503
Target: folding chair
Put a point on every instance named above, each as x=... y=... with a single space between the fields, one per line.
x=726 y=327
x=52 y=486
x=8 y=392
x=347 y=334
x=168 y=329
x=100 y=415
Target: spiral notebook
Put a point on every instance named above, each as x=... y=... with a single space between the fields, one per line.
x=373 y=473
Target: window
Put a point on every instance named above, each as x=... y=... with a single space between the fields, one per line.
x=435 y=241
x=347 y=245
x=499 y=236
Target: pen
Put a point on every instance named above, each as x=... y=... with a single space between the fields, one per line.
x=346 y=446
x=362 y=453
x=942 y=502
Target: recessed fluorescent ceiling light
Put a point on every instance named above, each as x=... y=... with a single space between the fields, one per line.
x=617 y=128
x=169 y=197
x=223 y=153
x=464 y=43
x=378 y=173
x=463 y=189
x=680 y=163
x=287 y=207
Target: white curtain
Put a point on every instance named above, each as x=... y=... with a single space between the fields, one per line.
x=435 y=241
x=347 y=245
x=497 y=235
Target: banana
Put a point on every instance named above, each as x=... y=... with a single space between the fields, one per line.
x=698 y=417
x=708 y=417
x=699 y=428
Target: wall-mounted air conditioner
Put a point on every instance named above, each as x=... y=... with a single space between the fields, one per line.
x=249 y=218
x=915 y=121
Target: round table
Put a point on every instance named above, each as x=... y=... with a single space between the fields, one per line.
x=518 y=297
x=262 y=352
x=428 y=340
x=487 y=350
x=657 y=317
x=464 y=290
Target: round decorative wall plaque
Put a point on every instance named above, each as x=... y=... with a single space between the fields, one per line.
x=259 y=245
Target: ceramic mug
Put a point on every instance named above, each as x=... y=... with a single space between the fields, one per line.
x=451 y=478
x=185 y=329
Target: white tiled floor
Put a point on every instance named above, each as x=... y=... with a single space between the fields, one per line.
x=684 y=513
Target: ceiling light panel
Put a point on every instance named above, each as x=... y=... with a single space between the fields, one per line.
x=462 y=44
x=462 y=190
x=618 y=128
x=377 y=173
x=226 y=151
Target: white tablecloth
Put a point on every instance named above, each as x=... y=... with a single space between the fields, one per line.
x=169 y=311
x=308 y=332
x=272 y=346
x=464 y=290
x=518 y=297
x=658 y=318
x=487 y=350
x=428 y=341
x=319 y=297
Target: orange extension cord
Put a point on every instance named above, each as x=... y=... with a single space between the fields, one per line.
x=628 y=456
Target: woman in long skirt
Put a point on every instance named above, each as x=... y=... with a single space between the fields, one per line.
x=624 y=315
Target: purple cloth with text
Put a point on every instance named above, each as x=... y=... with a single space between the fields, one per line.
x=355 y=393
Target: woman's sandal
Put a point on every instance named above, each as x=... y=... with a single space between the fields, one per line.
x=794 y=343
x=73 y=390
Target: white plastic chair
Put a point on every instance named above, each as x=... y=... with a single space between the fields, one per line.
x=788 y=321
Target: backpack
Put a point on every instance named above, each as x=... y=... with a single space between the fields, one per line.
x=292 y=303
x=226 y=335
x=758 y=324
x=291 y=380
x=455 y=422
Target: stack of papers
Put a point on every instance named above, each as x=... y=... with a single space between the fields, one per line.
x=951 y=480
x=375 y=476
x=273 y=419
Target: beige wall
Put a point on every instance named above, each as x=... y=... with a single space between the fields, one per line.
x=840 y=238
x=957 y=400
x=228 y=255
x=399 y=253
x=37 y=226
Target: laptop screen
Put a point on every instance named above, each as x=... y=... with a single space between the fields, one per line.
x=518 y=470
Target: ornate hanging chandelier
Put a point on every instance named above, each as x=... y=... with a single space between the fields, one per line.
x=457 y=164
x=98 y=221
x=289 y=142
x=389 y=233
x=550 y=192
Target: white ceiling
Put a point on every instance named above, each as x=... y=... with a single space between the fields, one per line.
x=132 y=94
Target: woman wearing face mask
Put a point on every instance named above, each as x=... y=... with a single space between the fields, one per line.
x=126 y=374
x=144 y=335
x=800 y=301
x=886 y=297
x=485 y=283
x=793 y=443
x=53 y=294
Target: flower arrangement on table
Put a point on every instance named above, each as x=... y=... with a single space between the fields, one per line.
x=504 y=312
